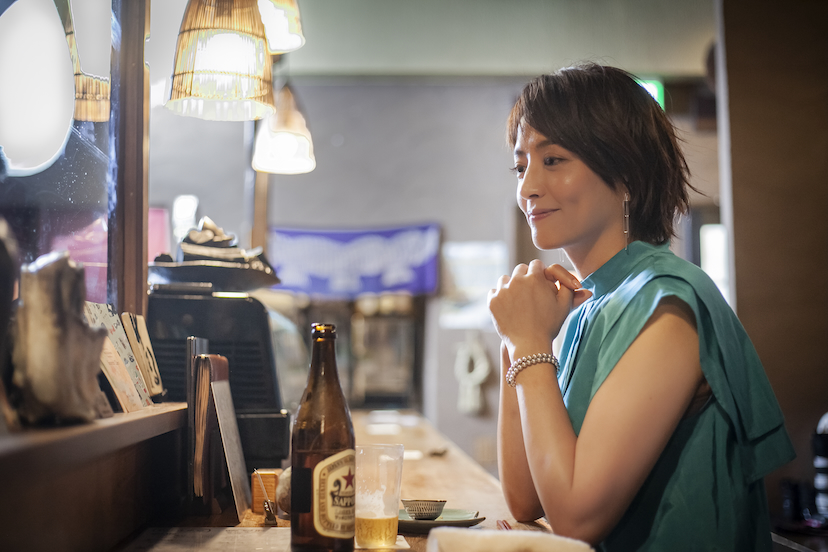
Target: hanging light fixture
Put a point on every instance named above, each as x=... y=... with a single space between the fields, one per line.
x=36 y=94
x=283 y=142
x=283 y=26
x=91 y=91
x=222 y=69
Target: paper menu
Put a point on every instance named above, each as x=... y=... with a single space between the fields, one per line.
x=100 y=315
x=113 y=368
x=136 y=331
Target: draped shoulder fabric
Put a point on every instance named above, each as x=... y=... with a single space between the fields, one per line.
x=706 y=491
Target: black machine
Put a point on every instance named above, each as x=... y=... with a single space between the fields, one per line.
x=237 y=327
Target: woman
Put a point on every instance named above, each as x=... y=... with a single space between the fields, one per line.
x=659 y=425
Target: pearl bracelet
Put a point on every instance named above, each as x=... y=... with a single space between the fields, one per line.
x=527 y=361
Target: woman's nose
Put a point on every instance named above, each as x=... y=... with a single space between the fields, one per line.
x=530 y=185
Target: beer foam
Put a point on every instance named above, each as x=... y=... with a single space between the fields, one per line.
x=371 y=505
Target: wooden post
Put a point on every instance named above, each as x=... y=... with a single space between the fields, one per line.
x=258 y=236
x=129 y=157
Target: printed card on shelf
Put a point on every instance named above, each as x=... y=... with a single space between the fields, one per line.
x=113 y=367
x=121 y=382
x=109 y=319
x=136 y=331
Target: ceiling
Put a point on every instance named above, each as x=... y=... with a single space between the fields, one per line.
x=667 y=38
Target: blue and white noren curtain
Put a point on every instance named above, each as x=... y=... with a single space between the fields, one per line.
x=346 y=263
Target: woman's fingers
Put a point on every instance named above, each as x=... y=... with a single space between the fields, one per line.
x=557 y=273
x=528 y=306
x=573 y=298
x=520 y=270
x=580 y=298
x=502 y=281
x=535 y=267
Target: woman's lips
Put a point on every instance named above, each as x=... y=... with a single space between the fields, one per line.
x=538 y=214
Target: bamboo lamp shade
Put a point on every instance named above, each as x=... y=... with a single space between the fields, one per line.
x=222 y=69
x=91 y=92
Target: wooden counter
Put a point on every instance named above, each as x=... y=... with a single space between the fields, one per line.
x=444 y=471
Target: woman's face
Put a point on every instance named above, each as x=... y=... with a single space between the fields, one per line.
x=566 y=204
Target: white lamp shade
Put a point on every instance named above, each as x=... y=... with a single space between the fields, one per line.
x=37 y=90
x=283 y=143
x=283 y=152
x=283 y=26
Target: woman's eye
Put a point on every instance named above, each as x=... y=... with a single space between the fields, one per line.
x=549 y=161
x=518 y=169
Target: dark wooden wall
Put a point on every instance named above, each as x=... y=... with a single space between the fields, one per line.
x=776 y=57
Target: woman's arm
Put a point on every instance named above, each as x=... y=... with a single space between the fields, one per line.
x=513 y=468
x=585 y=483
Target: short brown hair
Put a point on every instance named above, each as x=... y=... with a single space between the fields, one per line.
x=605 y=117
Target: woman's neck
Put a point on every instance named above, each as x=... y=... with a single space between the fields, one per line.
x=589 y=259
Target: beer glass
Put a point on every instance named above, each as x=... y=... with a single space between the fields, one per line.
x=378 y=475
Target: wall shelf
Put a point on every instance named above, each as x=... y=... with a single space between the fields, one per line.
x=87 y=487
x=32 y=451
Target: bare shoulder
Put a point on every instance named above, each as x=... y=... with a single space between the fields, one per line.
x=673 y=312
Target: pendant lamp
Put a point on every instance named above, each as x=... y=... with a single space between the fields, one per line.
x=91 y=92
x=283 y=142
x=222 y=70
x=283 y=26
x=36 y=87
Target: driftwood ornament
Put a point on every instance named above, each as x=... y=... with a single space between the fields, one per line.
x=56 y=354
x=9 y=270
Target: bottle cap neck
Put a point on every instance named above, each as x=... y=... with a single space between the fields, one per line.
x=323 y=331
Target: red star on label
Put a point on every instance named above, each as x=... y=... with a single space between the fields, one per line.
x=349 y=479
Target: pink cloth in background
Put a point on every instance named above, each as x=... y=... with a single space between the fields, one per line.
x=158 y=233
x=89 y=246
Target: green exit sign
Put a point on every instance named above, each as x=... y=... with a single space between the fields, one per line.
x=655 y=88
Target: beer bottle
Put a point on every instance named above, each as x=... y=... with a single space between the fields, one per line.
x=322 y=458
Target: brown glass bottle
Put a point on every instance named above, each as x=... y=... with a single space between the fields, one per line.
x=322 y=457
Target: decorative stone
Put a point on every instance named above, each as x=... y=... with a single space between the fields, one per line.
x=283 y=491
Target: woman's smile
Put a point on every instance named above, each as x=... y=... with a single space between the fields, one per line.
x=537 y=214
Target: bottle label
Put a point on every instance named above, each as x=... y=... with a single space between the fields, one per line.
x=334 y=493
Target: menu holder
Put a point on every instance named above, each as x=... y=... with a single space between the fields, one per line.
x=217 y=445
x=195 y=346
x=231 y=443
x=208 y=468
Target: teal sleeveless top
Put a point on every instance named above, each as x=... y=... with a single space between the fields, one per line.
x=706 y=491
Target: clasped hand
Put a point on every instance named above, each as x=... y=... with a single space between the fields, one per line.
x=530 y=306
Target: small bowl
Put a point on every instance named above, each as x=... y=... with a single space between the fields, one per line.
x=423 y=509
